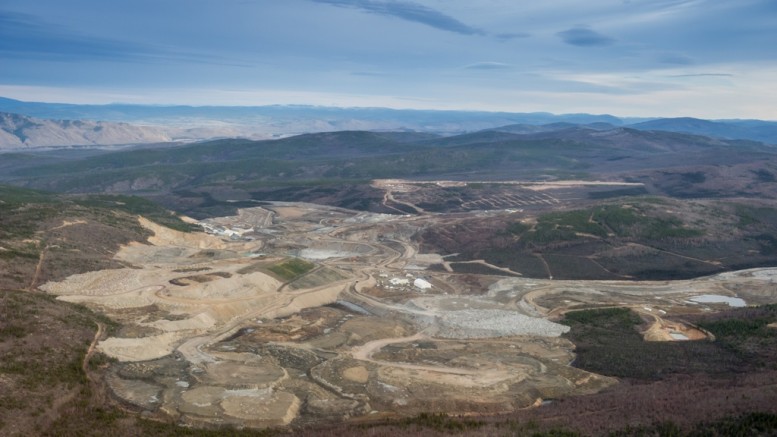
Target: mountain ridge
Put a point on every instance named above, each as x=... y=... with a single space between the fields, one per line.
x=196 y=123
x=24 y=132
x=272 y=121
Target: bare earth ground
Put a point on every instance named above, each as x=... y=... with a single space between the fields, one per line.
x=214 y=334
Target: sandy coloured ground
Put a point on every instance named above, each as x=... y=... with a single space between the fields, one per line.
x=139 y=349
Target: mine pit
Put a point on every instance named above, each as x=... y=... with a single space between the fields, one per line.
x=212 y=335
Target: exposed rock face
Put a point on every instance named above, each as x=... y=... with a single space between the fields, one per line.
x=19 y=131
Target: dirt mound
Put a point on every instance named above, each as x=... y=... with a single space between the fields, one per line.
x=164 y=236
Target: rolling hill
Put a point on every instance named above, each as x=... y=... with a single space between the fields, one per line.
x=358 y=155
x=745 y=129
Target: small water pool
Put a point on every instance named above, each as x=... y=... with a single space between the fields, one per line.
x=717 y=298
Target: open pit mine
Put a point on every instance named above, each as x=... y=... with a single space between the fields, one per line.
x=294 y=314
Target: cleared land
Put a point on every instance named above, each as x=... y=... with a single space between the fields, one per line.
x=305 y=314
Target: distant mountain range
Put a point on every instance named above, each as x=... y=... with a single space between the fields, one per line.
x=758 y=130
x=35 y=124
x=23 y=132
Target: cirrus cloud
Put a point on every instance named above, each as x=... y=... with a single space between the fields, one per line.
x=584 y=37
x=488 y=66
x=408 y=11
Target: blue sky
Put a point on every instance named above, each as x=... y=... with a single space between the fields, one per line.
x=703 y=58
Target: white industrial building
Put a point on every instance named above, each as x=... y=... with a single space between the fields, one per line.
x=422 y=284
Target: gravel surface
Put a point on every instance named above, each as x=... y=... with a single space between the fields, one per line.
x=494 y=323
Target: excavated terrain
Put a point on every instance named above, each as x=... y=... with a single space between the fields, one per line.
x=297 y=314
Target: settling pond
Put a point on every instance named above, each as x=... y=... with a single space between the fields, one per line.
x=717 y=298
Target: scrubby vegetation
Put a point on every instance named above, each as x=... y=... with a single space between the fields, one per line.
x=621 y=221
x=38 y=368
x=291 y=269
x=47 y=236
x=756 y=424
x=638 y=238
x=752 y=424
x=21 y=211
x=746 y=333
x=607 y=342
x=435 y=421
x=138 y=206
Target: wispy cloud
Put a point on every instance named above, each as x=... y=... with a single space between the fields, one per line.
x=512 y=35
x=488 y=66
x=584 y=37
x=408 y=11
x=613 y=83
x=703 y=75
x=24 y=36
